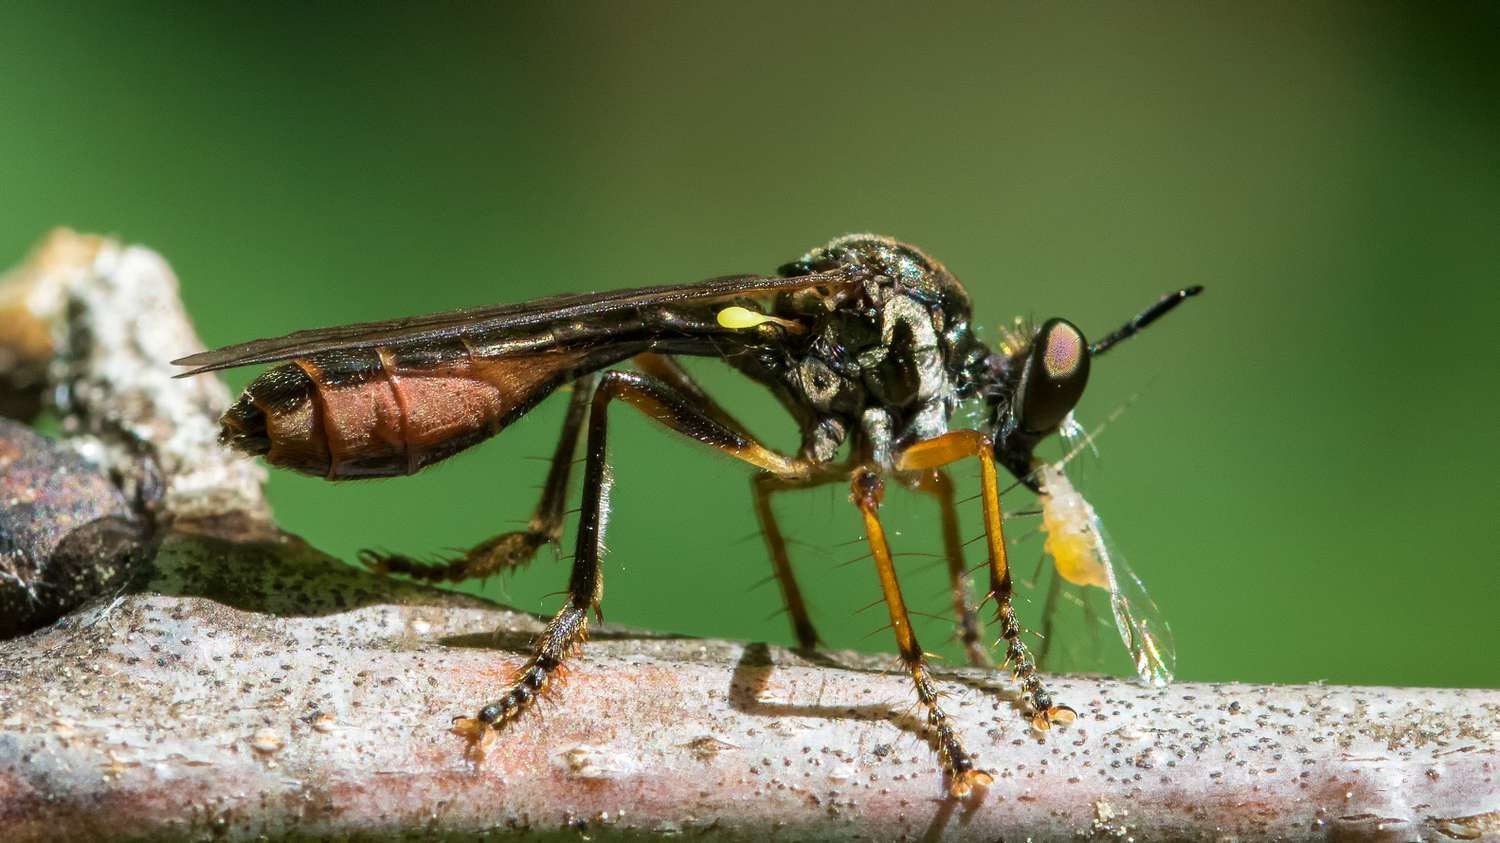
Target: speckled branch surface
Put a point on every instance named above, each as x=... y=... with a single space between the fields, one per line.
x=234 y=683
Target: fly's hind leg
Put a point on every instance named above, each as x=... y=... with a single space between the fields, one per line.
x=952 y=447
x=508 y=550
x=868 y=489
x=569 y=627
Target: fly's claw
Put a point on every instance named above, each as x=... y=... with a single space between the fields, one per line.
x=477 y=734
x=968 y=781
x=469 y=728
x=1060 y=715
x=393 y=563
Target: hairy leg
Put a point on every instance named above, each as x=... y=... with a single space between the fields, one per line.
x=868 y=490
x=569 y=627
x=952 y=447
x=763 y=486
x=514 y=549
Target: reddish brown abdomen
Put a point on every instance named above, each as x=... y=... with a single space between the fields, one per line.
x=386 y=412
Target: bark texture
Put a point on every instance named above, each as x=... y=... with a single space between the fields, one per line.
x=228 y=681
x=263 y=690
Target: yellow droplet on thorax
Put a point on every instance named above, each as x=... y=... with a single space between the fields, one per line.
x=738 y=318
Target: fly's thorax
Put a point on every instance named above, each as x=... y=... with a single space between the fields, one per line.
x=884 y=363
x=900 y=342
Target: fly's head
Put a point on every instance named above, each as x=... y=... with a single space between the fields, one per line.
x=1039 y=375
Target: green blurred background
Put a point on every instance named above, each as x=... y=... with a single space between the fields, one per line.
x=1306 y=482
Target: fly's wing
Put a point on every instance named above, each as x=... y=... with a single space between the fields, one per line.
x=1091 y=589
x=531 y=317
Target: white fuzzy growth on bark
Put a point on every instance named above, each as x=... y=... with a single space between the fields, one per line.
x=115 y=321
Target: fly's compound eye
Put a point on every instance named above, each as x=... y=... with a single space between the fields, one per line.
x=1057 y=369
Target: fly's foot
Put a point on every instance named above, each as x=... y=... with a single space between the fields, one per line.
x=503 y=552
x=477 y=734
x=1044 y=712
x=482 y=730
x=484 y=727
x=1043 y=719
x=968 y=781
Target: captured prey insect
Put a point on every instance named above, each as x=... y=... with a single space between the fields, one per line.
x=1088 y=571
x=867 y=343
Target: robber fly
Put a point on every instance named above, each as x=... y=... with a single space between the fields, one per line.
x=867 y=342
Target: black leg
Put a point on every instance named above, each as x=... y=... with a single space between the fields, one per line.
x=569 y=627
x=514 y=549
x=764 y=486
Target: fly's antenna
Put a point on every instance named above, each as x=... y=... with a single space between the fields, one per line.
x=1144 y=318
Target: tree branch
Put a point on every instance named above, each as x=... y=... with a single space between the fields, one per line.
x=244 y=685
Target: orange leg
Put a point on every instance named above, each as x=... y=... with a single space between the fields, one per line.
x=952 y=447
x=763 y=486
x=969 y=627
x=868 y=489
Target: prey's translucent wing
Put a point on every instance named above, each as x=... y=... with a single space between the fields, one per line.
x=1093 y=587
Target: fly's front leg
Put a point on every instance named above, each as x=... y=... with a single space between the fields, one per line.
x=514 y=549
x=867 y=491
x=952 y=447
x=569 y=627
x=969 y=627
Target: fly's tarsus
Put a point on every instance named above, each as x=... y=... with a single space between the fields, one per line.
x=493 y=556
x=1045 y=712
x=563 y=637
